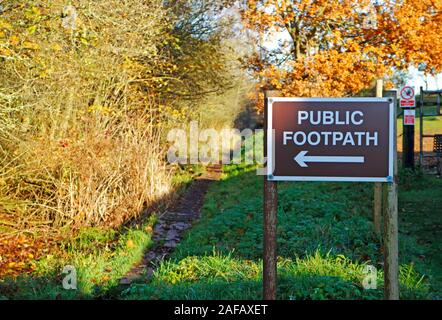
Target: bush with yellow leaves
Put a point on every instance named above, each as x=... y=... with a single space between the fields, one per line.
x=87 y=90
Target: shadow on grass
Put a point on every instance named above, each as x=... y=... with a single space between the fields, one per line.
x=289 y=288
x=325 y=239
x=100 y=256
x=225 y=277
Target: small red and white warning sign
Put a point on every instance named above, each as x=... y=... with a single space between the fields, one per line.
x=408 y=99
x=409 y=117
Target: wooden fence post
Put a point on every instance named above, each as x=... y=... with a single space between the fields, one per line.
x=270 y=221
x=377 y=203
x=391 y=245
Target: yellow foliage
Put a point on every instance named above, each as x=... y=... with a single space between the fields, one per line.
x=14 y=41
x=130 y=244
x=56 y=47
x=81 y=130
x=30 y=45
x=4 y=25
x=6 y=52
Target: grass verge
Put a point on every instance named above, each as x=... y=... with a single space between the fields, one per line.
x=325 y=240
x=100 y=259
x=100 y=256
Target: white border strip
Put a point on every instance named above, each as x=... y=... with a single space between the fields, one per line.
x=393 y=135
x=314 y=178
x=362 y=99
x=270 y=140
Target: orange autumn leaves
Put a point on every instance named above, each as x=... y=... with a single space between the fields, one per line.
x=18 y=253
x=337 y=48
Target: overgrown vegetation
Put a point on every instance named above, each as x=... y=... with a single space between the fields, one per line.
x=88 y=90
x=325 y=240
x=101 y=258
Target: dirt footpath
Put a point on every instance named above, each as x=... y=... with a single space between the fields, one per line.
x=172 y=225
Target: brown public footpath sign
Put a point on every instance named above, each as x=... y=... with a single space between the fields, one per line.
x=330 y=139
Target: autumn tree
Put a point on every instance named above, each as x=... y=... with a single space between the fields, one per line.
x=88 y=91
x=199 y=27
x=208 y=81
x=337 y=48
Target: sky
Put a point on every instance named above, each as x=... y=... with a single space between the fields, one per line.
x=418 y=79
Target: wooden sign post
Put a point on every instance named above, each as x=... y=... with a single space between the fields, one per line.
x=331 y=139
x=270 y=220
x=377 y=199
x=391 y=241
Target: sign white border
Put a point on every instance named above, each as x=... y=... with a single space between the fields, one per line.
x=270 y=140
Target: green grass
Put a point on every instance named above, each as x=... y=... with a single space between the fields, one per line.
x=218 y=276
x=183 y=176
x=100 y=258
x=432 y=125
x=420 y=217
x=325 y=239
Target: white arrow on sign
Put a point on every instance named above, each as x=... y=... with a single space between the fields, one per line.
x=302 y=158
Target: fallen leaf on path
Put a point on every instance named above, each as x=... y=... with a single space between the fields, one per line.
x=130 y=244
